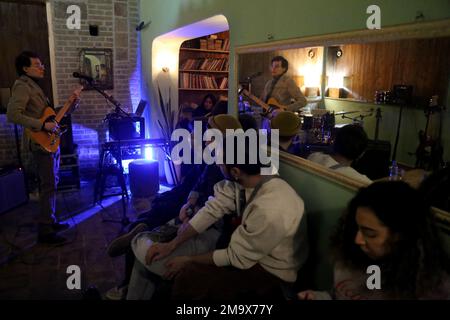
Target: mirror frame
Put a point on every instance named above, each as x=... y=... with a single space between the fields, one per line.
x=108 y=53
x=433 y=29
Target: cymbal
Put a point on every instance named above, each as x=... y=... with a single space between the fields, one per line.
x=339 y=113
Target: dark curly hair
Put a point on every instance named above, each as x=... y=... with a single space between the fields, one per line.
x=351 y=141
x=417 y=261
x=24 y=60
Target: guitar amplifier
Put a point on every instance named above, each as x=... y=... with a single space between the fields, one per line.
x=126 y=128
x=13 y=190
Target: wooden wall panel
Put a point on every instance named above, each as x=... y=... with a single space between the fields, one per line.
x=23 y=27
x=422 y=63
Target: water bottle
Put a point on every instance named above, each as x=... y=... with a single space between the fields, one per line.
x=393 y=171
x=241 y=105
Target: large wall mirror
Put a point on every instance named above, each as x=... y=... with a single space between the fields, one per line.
x=394 y=84
x=97 y=64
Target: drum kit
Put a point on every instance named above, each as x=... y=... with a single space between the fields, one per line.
x=319 y=125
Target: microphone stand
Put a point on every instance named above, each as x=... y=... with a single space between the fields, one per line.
x=111 y=99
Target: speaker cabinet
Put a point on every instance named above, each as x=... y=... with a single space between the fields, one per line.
x=13 y=191
x=375 y=161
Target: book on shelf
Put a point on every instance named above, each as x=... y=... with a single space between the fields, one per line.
x=211 y=44
x=203 y=44
x=198 y=81
x=205 y=64
x=226 y=45
x=218 y=44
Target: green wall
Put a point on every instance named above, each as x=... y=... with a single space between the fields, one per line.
x=325 y=201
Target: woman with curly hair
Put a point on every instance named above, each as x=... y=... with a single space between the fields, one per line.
x=389 y=225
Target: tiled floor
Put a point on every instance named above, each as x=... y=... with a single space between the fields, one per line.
x=37 y=271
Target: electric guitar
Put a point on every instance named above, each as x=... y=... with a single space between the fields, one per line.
x=268 y=107
x=49 y=141
x=429 y=153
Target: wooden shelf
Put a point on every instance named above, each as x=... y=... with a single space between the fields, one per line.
x=202 y=89
x=202 y=50
x=204 y=71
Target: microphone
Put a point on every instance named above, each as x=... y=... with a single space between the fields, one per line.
x=82 y=76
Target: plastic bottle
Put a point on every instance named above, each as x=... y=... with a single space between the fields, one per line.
x=393 y=171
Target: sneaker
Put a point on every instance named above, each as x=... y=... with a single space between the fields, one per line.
x=117 y=293
x=120 y=245
x=58 y=227
x=51 y=238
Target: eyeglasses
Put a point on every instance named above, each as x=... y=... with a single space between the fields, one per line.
x=39 y=66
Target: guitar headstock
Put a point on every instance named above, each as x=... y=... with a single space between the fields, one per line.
x=242 y=90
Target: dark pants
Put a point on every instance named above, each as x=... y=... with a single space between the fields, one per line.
x=207 y=282
x=47 y=165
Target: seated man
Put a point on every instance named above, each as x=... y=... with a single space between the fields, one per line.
x=164 y=210
x=266 y=249
x=349 y=145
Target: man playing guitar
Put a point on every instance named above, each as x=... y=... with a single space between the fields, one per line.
x=282 y=88
x=26 y=108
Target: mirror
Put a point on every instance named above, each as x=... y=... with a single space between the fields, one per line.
x=97 y=64
x=384 y=82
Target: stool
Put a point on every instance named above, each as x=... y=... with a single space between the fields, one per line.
x=144 y=178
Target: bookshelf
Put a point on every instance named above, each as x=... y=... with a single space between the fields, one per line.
x=204 y=67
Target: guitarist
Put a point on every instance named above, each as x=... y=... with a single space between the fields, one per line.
x=25 y=107
x=282 y=88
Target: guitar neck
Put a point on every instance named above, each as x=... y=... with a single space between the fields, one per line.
x=63 y=111
x=67 y=105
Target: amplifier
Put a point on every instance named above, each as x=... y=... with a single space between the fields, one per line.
x=126 y=128
x=375 y=161
x=13 y=190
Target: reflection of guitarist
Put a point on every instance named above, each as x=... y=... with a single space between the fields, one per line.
x=26 y=106
x=282 y=88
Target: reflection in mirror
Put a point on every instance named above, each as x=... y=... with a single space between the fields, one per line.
x=97 y=64
x=396 y=90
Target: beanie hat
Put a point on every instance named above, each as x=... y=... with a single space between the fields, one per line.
x=223 y=122
x=287 y=123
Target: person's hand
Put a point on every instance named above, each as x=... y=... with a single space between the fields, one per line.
x=306 y=295
x=158 y=251
x=50 y=126
x=183 y=215
x=175 y=265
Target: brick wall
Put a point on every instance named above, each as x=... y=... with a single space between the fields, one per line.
x=117 y=20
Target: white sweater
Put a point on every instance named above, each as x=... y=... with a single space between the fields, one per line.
x=272 y=232
x=328 y=161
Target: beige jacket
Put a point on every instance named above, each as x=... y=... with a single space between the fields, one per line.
x=272 y=233
x=286 y=92
x=26 y=106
